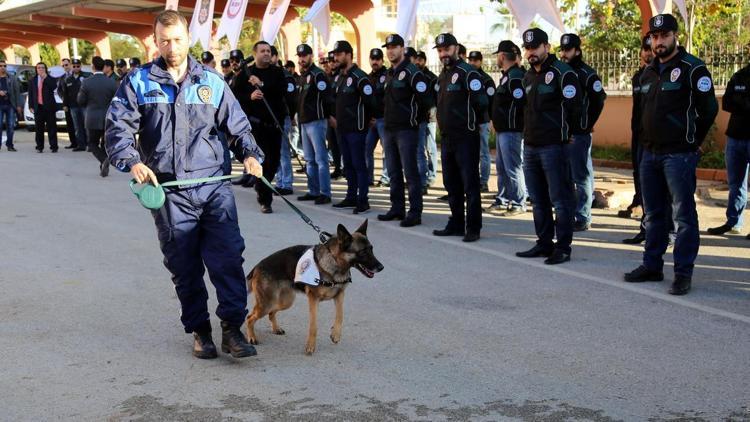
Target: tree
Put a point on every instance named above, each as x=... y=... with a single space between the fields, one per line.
x=125 y=46
x=49 y=54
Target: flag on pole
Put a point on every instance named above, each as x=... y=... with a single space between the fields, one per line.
x=201 y=23
x=319 y=15
x=406 y=22
x=524 y=13
x=665 y=6
x=272 y=19
x=231 y=21
x=172 y=5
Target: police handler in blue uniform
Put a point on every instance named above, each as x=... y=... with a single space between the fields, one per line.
x=177 y=106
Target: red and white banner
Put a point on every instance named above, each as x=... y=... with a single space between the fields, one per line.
x=272 y=19
x=319 y=15
x=202 y=23
x=231 y=21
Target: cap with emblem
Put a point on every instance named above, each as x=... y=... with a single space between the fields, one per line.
x=662 y=23
x=570 y=41
x=304 y=50
x=410 y=52
x=75 y=61
x=121 y=63
x=475 y=55
x=506 y=46
x=393 y=39
x=534 y=37
x=134 y=62
x=206 y=57
x=376 y=54
x=236 y=54
x=646 y=43
x=342 y=46
x=445 y=40
x=225 y=63
x=421 y=55
x=331 y=56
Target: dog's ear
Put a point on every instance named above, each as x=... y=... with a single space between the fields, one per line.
x=363 y=228
x=342 y=234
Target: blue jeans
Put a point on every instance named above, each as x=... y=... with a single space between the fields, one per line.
x=313 y=136
x=582 y=169
x=375 y=133
x=427 y=134
x=401 y=151
x=509 y=163
x=670 y=177
x=285 y=175
x=352 y=146
x=547 y=174
x=77 y=114
x=8 y=117
x=737 y=156
x=485 y=163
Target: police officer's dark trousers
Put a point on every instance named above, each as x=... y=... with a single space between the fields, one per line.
x=460 y=161
x=547 y=173
x=401 y=159
x=354 y=154
x=269 y=140
x=197 y=226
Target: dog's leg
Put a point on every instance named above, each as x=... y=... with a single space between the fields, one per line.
x=312 y=331
x=339 y=321
x=274 y=325
x=255 y=315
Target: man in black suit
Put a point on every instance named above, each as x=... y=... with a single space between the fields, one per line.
x=95 y=95
x=43 y=105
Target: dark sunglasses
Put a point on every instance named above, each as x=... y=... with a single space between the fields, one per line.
x=2 y=65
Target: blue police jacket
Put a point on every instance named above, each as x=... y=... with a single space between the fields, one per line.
x=177 y=125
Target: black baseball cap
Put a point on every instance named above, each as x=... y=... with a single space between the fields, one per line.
x=109 y=62
x=475 y=55
x=376 y=54
x=410 y=52
x=393 y=39
x=569 y=41
x=662 y=23
x=534 y=37
x=461 y=49
x=289 y=63
x=121 y=63
x=421 y=55
x=236 y=54
x=224 y=62
x=445 y=40
x=342 y=46
x=331 y=56
x=274 y=51
x=76 y=61
x=207 y=56
x=304 y=50
x=646 y=42
x=134 y=62
x=507 y=46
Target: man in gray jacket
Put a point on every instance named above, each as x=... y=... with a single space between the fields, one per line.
x=95 y=95
x=10 y=102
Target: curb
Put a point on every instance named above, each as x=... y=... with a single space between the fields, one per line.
x=716 y=175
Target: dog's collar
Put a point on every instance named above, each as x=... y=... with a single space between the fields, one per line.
x=323 y=282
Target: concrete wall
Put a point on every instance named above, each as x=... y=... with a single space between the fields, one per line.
x=613 y=127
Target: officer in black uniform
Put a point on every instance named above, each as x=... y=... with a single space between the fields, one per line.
x=260 y=88
x=736 y=101
x=579 y=149
x=354 y=102
x=207 y=59
x=121 y=68
x=235 y=60
x=134 y=63
x=406 y=91
x=68 y=88
x=636 y=152
x=461 y=99
x=553 y=102
x=332 y=136
x=427 y=153
x=226 y=70
x=485 y=162
x=285 y=175
x=377 y=79
x=679 y=106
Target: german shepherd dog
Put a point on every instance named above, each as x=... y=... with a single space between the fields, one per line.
x=272 y=281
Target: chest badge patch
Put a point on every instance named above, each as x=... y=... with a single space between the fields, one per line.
x=402 y=75
x=204 y=93
x=454 y=78
x=548 y=77
x=348 y=81
x=382 y=79
x=675 y=74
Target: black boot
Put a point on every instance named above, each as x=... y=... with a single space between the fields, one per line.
x=680 y=285
x=232 y=341
x=635 y=240
x=203 y=345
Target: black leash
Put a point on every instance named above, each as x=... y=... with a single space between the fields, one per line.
x=322 y=235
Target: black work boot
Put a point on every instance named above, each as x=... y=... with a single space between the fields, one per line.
x=680 y=285
x=203 y=345
x=233 y=342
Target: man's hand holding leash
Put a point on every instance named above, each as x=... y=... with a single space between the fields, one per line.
x=252 y=166
x=142 y=174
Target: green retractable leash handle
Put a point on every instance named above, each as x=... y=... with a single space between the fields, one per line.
x=153 y=197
